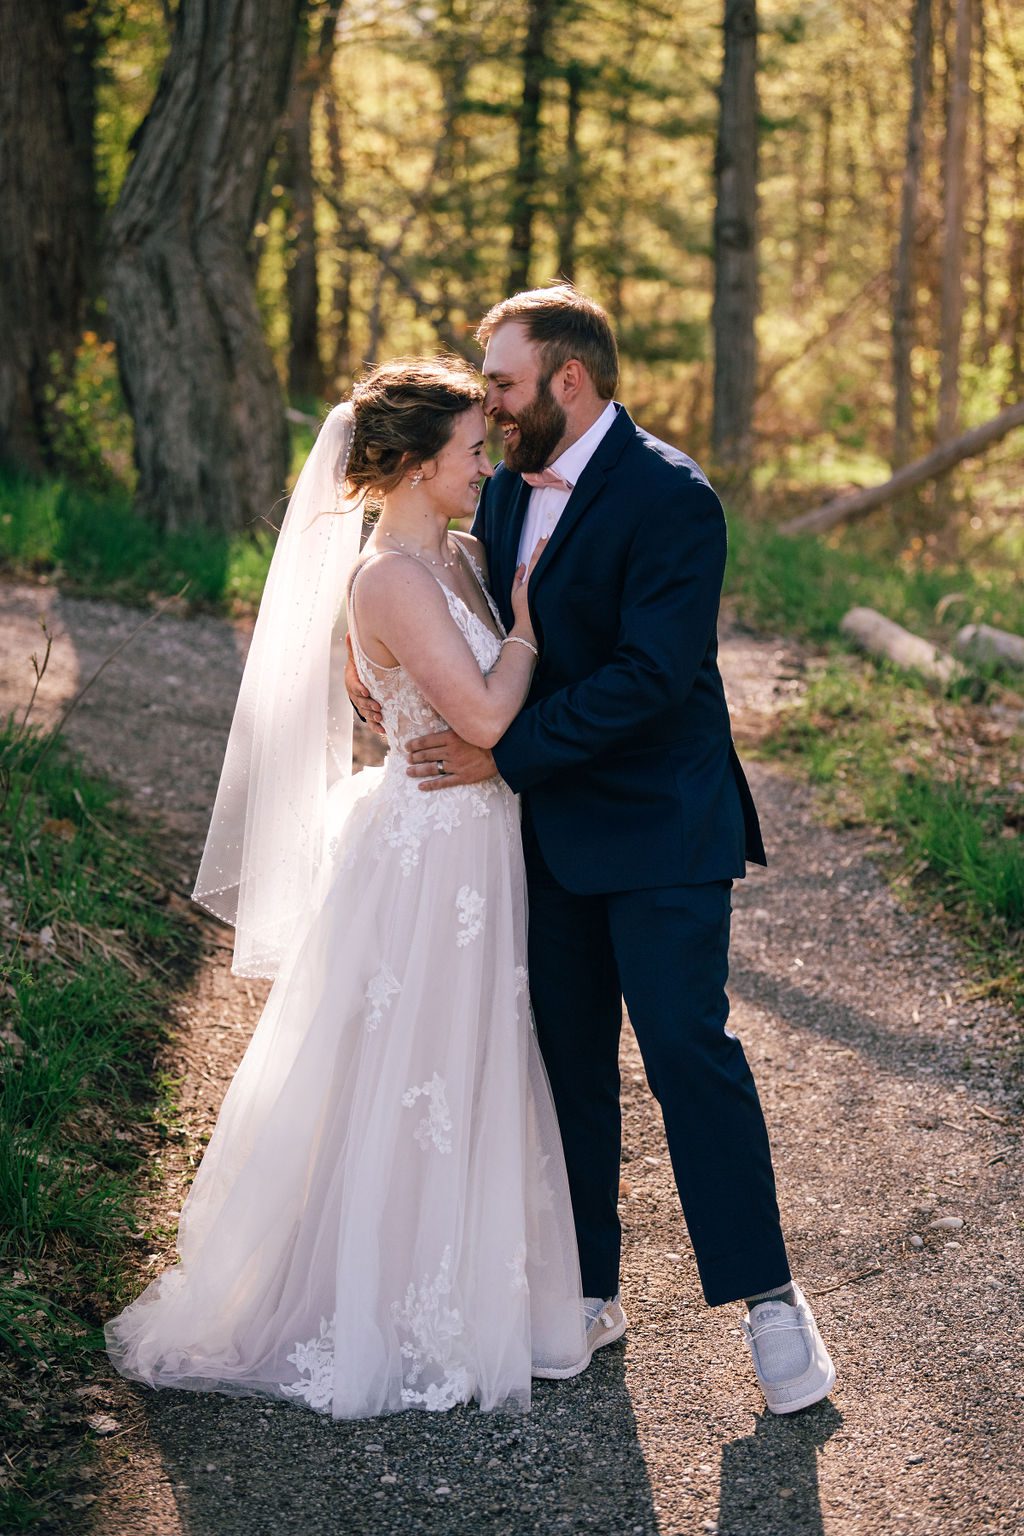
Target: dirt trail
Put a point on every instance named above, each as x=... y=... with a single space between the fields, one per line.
x=881 y=1079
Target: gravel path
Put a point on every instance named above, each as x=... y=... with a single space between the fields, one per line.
x=881 y=1078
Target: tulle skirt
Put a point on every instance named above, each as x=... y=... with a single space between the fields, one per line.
x=381 y=1220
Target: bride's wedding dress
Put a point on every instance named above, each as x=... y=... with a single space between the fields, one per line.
x=381 y=1219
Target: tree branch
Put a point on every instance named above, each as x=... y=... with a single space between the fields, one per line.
x=857 y=504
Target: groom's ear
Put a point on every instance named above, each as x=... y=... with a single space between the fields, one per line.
x=574 y=379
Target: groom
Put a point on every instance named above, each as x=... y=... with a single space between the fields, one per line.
x=636 y=814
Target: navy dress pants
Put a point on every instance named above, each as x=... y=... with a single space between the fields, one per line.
x=666 y=952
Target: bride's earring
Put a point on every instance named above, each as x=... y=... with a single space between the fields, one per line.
x=416 y=478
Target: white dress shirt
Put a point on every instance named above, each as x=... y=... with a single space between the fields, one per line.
x=547 y=503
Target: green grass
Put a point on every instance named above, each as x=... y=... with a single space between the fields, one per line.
x=963 y=838
x=804 y=586
x=90 y=945
x=95 y=543
x=92 y=541
x=869 y=735
x=870 y=738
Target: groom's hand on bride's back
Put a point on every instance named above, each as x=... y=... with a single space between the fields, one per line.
x=462 y=763
x=362 y=701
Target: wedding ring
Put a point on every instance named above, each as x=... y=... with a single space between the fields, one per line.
x=440 y=767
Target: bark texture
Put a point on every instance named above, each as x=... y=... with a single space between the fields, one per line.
x=983 y=343
x=211 y=442
x=1011 y=322
x=42 y=257
x=312 y=68
x=903 y=274
x=341 y=364
x=735 y=242
x=525 y=182
x=952 y=298
x=572 y=192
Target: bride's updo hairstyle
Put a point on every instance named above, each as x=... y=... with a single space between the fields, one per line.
x=405 y=412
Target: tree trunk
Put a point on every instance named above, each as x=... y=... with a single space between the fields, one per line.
x=617 y=252
x=824 y=243
x=903 y=275
x=1011 y=324
x=952 y=294
x=572 y=191
x=879 y=636
x=211 y=440
x=525 y=181
x=83 y=49
x=305 y=370
x=341 y=293
x=857 y=504
x=42 y=255
x=734 y=310
x=983 y=343
x=990 y=647
x=451 y=222
x=305 y=374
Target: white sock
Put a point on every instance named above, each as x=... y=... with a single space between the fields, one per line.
x=780 y=1293
x=593 y=1306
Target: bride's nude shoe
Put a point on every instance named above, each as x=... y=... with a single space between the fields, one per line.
x=608 y=1324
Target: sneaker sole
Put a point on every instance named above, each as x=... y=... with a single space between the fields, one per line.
x=810 y=1399
x=559 y=1373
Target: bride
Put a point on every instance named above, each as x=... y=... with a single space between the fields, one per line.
x=381 y=1220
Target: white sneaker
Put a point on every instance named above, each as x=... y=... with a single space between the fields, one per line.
x=790 y=1358
x=606 y=1322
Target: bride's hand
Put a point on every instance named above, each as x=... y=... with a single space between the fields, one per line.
x=520 y=602
x=362 y=701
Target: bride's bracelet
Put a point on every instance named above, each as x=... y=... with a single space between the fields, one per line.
x=518 y=640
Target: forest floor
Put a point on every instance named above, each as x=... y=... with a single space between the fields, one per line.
x=883 y=1077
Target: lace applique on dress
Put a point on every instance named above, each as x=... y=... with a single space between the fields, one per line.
x=516 y=1267
x=471 y=907
x=408 y=815
x=379 y=992
x=406 y=712
x=315 y=1361
x=432 y=1327
x=435 y=1127
x=412 y=819
x=482 y=641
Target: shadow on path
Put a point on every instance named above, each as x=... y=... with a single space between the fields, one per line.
x=817 y=1009
x=574 y=1463
x=769 y=1480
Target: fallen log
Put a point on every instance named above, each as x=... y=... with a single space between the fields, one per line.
x=879 y=636
x=856 y=504
x=984 y=644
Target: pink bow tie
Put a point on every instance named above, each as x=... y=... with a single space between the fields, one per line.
x=548 y=479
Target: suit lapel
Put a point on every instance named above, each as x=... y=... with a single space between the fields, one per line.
x=508 y=545
x=588 y=487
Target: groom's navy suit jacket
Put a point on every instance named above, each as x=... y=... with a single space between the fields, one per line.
x=623 y=751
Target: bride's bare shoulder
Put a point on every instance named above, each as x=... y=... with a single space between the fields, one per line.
x=385 y=573
x=475 y=548
x=396 y=604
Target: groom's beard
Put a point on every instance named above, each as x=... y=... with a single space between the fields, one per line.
x=541 y=425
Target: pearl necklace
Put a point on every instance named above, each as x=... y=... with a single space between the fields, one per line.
x=449 y=565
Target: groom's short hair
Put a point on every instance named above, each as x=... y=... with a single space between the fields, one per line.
x=565 y=324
